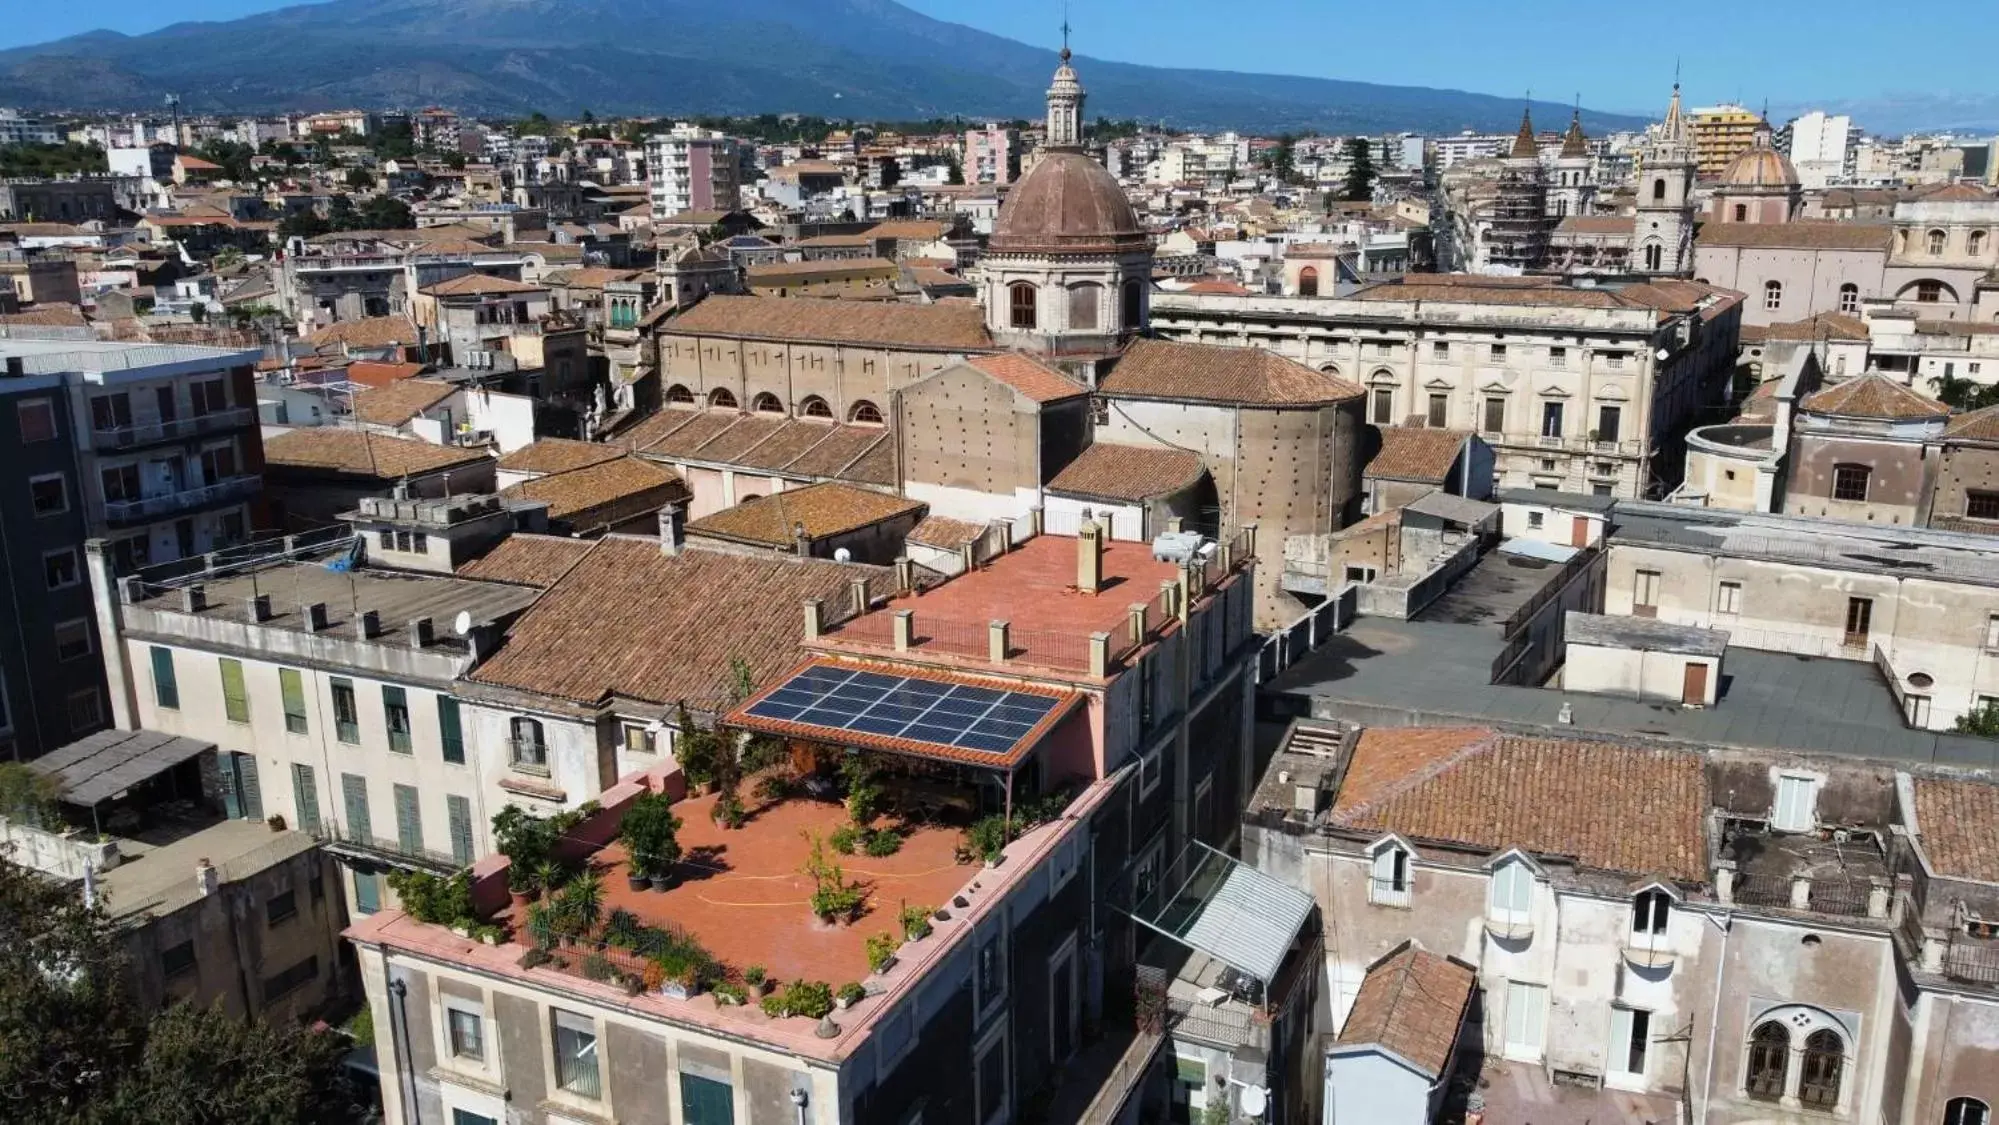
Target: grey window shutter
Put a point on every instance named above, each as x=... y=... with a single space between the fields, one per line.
x=409 y=822
x=252 y=793
x=460 y=811
x=355 y=790
x=305 y=794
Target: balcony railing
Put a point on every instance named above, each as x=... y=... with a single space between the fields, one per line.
x=153 y=507
x=1968 y=959
x=173 y=429
x=528 y=755
x=341 y=839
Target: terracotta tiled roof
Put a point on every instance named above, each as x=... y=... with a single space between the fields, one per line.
x=370 y=373
x=1596 y=224
x=667 y=646
x=591 y=277
x=1824 y=326
x=359 y=453
x=1210 y=373
x=371 y=332
x=825 y=269
x=826 y=509
x=957 y=327
x=604 y=494
x=1873 y=396
x=1030 y=377
x=1417 y=454
x=559 y=455
x=1955 y=193
x=1412 y=1002
x=910 y=230
x=47 y=316
x=841 y=454
x=1128 y=472
x=1804 y=234
x=479 y=284
x=1610 y=807
x=949 y=534
x=678 y=433
x=529 y=560
x=1958 y=822
x=1978 y=425
x=399 y=401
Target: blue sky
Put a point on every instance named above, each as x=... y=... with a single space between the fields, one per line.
x=1617 y=56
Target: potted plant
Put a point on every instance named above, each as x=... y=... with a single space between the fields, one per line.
x=540 y=925
x=681 y=974
x=757 y=979
x=653 y=976
x=849 y=995
x=987 y=839
x=881 y=951
x=915 y=922
x=549 y=877
x=730 y=993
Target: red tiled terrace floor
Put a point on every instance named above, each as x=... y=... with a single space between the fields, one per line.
x=743 y=895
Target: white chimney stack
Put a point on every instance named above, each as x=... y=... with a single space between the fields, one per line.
x=205 y=877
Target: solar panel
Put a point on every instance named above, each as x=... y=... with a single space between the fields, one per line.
x=985 y=720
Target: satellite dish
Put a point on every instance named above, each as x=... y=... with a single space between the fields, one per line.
x=1253 y=1101
x=462 y=624
x=843 y=555
x=1662 y=355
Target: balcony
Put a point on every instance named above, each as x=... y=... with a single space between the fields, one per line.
x=362 y=845
x=1649 y=951
x=147 y=508
x=173 y=429
x=528 y=755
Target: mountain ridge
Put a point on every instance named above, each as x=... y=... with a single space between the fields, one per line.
x=863 y=59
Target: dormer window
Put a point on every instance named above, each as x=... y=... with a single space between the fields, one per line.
x=1509 y=907
x=1390 y=876
x=1650 y=911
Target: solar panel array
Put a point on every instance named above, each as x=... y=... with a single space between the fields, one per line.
x=960 y=716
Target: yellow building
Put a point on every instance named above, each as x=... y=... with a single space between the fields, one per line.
x=1721 y=133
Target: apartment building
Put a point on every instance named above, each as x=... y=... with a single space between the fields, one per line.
x=325 y=686
x=1126 y=727
x=153 y=448
x=1767 y=938
x=693 y=169
x=1585 y=389
x=992 y=155
x=1720 y=134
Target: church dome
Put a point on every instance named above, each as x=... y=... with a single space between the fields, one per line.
x=1067 y=202
x=1760 y=166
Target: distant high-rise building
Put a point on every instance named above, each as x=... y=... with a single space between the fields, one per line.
x=992 y=155
x=1720 y=134
x=1821 y=147
x=692 y=170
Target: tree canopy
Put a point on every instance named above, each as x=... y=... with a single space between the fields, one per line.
x=1359 y=183
x=76 y=1049
x=51 y=160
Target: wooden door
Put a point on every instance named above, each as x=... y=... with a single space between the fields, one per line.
x=1693 y=690
x=1578 y=531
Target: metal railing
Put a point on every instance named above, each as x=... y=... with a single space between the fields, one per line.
x=147 y=507
x=1123 y=1079
x=171 y=429
x=1763 y=890
x=338 y=838
x=1975 y=961
x=528 y=754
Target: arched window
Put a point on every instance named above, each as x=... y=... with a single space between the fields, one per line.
x=1332 y=369
x=747 y=497
x=1083 y=302
x=1849 y=482
x=1654 y=255
x=865 y=411
x=1934 y=241
x=1849 y=298
x=1658 y=190
x=1769 y=1061
x=1742 y=212
x=1821 y=1069
x=1974 y=244
x=679 y=393
x=1650 y=911
x=766 y=403
x=1020 y=305
x=1308 y=282
x=814 y=407
x=1773 y=295
x=721 y=397
x=1134 y=306
x=1929 y=292
x=1966 y=1111
x=526 y=745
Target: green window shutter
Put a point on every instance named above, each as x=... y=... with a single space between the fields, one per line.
x=305 y=795
x=460 y=811
x=354 y=792
x=409 y=820
x=247 y=787
x=450 y=732
x=232 y=795
x=396 y=714
x=166 y=689
x=704 y=1101
x=292 y=686
x=346 y=711
x=235 y=699
x=367 y=892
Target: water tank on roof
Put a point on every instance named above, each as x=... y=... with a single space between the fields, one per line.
x=1179 y=546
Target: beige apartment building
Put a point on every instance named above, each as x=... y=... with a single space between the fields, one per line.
x=1579 y=388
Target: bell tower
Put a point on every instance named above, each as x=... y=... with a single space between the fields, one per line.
x=1662 y=235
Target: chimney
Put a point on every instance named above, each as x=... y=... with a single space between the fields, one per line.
x=1034 y=521
x=673 y=528
x=815 y=618
x=1005 y=530
x=420 y=632
x=859 y=586
x=367 y=625
x=1089 y=558
x=801 y=543
x=905 y=575
x=205 y=877
x=193 y=599
x=1100 y=655
x=998 y=644
x=259 y=608
x=905 y=629
x=314 y=616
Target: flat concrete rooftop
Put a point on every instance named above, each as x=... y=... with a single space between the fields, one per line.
x=1907 y=552
x=155 y=876
x=1382 y=672
x=397 y=597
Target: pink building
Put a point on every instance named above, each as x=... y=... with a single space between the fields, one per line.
x=992 y=155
